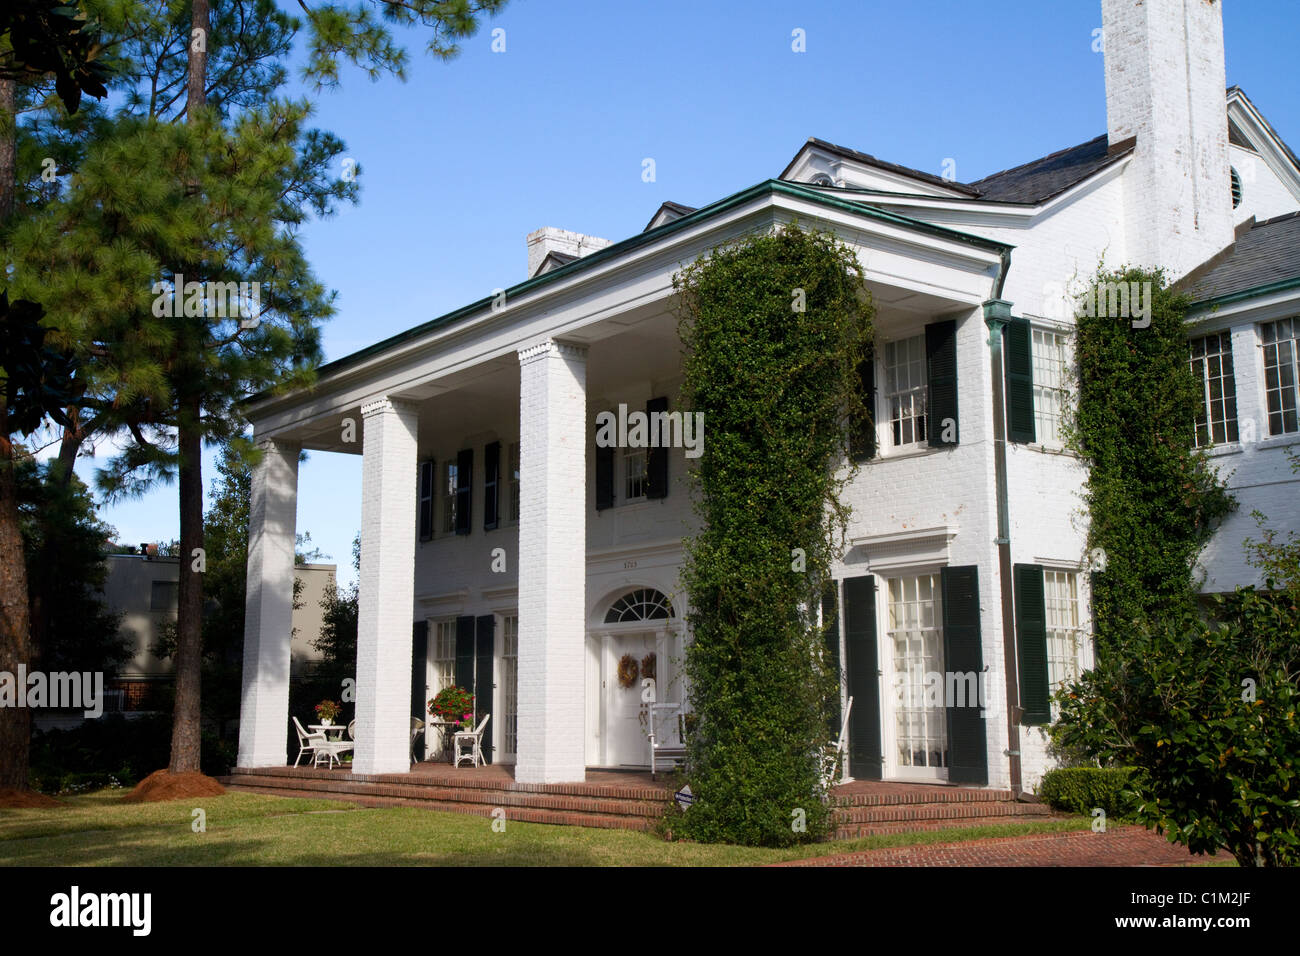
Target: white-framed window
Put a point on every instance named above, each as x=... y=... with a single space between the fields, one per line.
x=514 y=481
x=905 y=391
x=1216 y=420
x=915 y=631
x=449 y=471
x=1050 y=363
x=444 y=655
x=510 y=676
x=1281 y=343
x=636 y=475
x=1064 y=633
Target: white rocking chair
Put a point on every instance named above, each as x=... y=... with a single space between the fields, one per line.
x=833 y=755
x=472 y=738
x=667 y=741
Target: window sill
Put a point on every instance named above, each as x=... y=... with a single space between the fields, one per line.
x=1238 y=447
x=909 y=451
x=1049 y=449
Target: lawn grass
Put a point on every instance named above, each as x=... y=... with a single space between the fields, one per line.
x=245 y=829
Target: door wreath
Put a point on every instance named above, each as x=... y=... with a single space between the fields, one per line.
x=628 y=671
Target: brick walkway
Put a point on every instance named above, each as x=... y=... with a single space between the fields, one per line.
x=1121 y=846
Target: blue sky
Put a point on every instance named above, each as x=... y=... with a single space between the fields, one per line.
x=465 y=158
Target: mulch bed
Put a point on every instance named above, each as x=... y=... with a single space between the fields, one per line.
x=12 y=799
x=164 y=785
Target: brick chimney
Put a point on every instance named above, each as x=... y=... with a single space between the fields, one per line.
x=566 y=245
x=1165 y=85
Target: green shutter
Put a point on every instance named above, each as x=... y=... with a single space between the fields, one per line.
x=419 y=678
x=1031 y=639
x=656 y=458
x=862 y=443
x=464 y=484
x=831 y=634
x=464 y=672
x=604 y=477
x=427 y=473
x=1018 y=342
x=483 y=683
x=941 y=373
x=865 y=755
x=491 y=485
x=963 y=655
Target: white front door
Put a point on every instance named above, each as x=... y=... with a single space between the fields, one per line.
x=620 y=715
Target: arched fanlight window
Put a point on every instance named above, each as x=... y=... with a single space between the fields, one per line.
x=821 y=179
x=643 y=604
x=1236 y=187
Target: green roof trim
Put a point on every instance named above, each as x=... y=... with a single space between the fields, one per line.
x=1280 y=286
x=767 y=187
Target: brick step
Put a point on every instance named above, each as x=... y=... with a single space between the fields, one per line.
x=925 y=795
x=938 y=812
x=448 y=778
x=606 y=821
x=421 y=793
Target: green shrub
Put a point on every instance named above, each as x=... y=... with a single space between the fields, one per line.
x=1083 y=789
x=774 y=326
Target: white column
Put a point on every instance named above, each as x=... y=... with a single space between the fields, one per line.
x=387 y=587
x=268 y=614
x=552 y=563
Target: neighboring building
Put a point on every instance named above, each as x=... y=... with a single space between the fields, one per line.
x=144 y=589
x=527 y=562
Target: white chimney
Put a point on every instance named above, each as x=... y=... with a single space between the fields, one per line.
x=566 y=245
x=1165 y=85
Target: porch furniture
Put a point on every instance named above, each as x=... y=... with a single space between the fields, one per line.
x=667 y=736
x=833 y=755
x=332 y=748
x=352 y=730
x=444 y=738
x=417 y=728
x=472 y=738
x=307 y=742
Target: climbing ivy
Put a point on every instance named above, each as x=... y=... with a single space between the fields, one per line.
x=774 y=328
x=1153 y=500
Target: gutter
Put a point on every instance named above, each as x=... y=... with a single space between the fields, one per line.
x=997 y=313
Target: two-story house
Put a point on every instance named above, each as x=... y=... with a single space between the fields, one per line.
x=504 y=549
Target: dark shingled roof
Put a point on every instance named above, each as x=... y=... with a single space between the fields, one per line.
x=1266 y=254
x=1047 y=177
x=1029 y=184
x=676 y=208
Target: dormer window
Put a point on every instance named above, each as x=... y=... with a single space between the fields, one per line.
x=1236 y=186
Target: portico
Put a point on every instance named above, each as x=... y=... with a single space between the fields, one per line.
x=515 y=382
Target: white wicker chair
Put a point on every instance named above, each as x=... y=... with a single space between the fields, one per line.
x=308 y=743
x=667 y=741
x=417 y=730
x=472 y=737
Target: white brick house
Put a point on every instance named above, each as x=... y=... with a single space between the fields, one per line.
x=502 y=548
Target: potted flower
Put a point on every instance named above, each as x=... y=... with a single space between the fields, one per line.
x=327 y=710
x=454 y=705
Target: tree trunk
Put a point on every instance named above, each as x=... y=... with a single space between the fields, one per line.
x=15 y=639
x=15 y=624
x=186 y=716
x=186 y=720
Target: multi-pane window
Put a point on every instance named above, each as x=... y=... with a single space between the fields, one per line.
x=1049 y=384
x=164 y=596
x=444 y=655
x=450 y=473
x=1281 y=385
x=510 y=673
x=514 y=481
x=1064 y=634
x=636 y=476
x=905 y=390
x=920 y=721
x=1216 y=418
